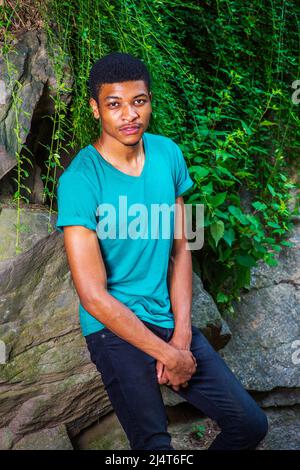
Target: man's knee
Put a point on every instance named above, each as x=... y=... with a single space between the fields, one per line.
x=254 y=429
x=261 y=427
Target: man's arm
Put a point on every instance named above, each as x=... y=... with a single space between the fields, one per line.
x=180 y=291
x=180 y=278
x=90 y=280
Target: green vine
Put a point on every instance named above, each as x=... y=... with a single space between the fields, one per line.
x=222 y=72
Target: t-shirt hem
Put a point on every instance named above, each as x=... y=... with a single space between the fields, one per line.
x=187 y=184
x=168 y=324
x=77 y=221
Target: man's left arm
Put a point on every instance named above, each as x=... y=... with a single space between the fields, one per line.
x=180 y=287
x=180 y=280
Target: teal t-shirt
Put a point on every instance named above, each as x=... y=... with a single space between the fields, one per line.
x=136 y=265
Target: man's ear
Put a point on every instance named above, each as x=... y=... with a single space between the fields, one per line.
x=94 y=106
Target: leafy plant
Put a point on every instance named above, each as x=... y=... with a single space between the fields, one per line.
x=222 y=73
x=198 y=430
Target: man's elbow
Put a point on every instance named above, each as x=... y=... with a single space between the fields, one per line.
x=95 y=300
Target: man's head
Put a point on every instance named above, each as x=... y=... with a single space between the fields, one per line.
x=120 y=96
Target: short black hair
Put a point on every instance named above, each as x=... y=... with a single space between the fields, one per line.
x=117 y=67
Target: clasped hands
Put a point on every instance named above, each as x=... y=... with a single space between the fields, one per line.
x=186 y=366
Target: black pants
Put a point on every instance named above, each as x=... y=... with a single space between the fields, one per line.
x=129 y=377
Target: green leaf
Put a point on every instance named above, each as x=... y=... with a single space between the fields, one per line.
x=245 y=260
x=271 y=189
x=229 y=236
x=200 y=171
x=286 y=243
x=221 y=298
x=260 y=150
x=221 y=215
x=268 y=123
x=221 y=169
x=259 y=206
x=246 y=128
x=237 y=213
x=223 y=155
x=217 y=230
x=273 y=224
x=218 y=199
x=208 y=188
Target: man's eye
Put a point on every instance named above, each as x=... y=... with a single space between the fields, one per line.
x=141 y=99
x=113 y=102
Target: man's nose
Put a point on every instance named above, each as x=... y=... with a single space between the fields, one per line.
x=129 y=113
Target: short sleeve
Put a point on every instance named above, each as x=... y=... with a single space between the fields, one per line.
x=183 y=181
x=76 y=201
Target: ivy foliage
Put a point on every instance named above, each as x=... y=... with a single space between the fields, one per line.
x=222 y=73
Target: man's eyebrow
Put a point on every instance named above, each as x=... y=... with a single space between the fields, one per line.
x=119 y=98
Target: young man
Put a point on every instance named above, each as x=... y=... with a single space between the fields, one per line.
x=136 y=292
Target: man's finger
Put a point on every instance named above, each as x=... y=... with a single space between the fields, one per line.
x=163 y=379
x=186 y=384
x=159 y=369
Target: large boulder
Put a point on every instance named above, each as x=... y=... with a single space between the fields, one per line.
x=206 y=316
x=35 y=223
x=48 y=379
x=55 y=438
x=266 y=328
x=30 y=70
x=284 y=425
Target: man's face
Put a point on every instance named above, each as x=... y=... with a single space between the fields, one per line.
x=124 y=109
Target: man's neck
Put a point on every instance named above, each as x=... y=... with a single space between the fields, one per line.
x=118 y=152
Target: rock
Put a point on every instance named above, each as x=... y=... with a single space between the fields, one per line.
x=48 y=379
x=47 y=439
x=33 y=226
x=6 y=439
x=278 y=397
x=206 y=316
x=266 y=329
x=284 y=425
x=107 y=434
x=7 y=162
x=170 y=397
x=31 y=70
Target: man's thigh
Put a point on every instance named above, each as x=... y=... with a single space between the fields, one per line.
x=214 y=389
x=129 y=377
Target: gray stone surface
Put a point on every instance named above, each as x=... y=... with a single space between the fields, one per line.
x=6 y=439
x=34 y=224
x=206 y=316
x=266 y=330
x=49 y=379
x=284 y=425
x=47 y=439
x=30 y=70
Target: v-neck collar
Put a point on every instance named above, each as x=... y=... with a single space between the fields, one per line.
x=121 y=173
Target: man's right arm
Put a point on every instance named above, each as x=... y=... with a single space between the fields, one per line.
x=90 y=280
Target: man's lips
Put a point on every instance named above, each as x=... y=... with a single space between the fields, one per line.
x=130 y=129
